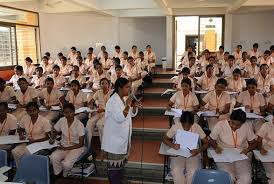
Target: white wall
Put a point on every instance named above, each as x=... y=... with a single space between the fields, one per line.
x=253 y=27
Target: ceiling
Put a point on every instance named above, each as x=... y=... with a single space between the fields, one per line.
x=143 y=8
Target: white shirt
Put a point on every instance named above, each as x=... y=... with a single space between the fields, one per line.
x=118 y=128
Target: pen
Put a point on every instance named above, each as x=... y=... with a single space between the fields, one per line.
x=188 y=148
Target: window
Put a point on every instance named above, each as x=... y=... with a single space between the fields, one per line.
x=19 y=36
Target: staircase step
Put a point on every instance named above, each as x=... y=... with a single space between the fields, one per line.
x=162 y=82
x=166 y=74
x=150 y=103
x=151 y=122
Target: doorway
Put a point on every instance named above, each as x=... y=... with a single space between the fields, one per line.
x=192 y=40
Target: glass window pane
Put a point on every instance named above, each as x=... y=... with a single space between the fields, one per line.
x=7 y=46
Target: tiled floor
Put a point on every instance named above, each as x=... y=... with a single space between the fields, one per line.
x=156 y=122
x=162 y=103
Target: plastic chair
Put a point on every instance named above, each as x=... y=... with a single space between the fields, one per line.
x=3 y=158
x=209 y=176
x=33 y=168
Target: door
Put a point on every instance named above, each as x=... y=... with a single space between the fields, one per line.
x=192 y=40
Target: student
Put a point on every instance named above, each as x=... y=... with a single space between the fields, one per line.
x=94 y=81
x=72 y=56
x=90 y=50
x=244 y=62
x=51 y=61
x=47 y=67
x=236 y=83
x=89 y=62
x=220 y=53
x=184 y=74
x=18 y=73
x=58 y=60
x=82 y=66
x=77 y=76
x=65 y=69
x=29 y=68
x=116 y=62
x=238 y=53
x=38 y=80
x=59 y=80
x=263 y=80
x=150 y=57
x=101 y=53
x=188 y=50
x=195 y=69
x=77 y=98
x=182 y=168
x=49 y=97
x=134 y=52
x=106 y=61
x=133 y=72
x=100 y=98
x=7 y=93
x=203 y=60
x=253 y=69
x=228 y=69
x=184 y=99
x=235 y=133
x=208 y=80
x=218 y=101
x=123 y=61
x=119 y=73
x=33 y=127
x=185 y=61
x=8 y=124
x=118 y=52
x=141 y=61
x=24 y=95
x=255 y=52
x=265 y=59
x=72 y=141
x=212 y=61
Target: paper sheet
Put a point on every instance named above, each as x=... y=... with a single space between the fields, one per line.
x=174 y=78
x=197 y=78
x=87 y=91
x=34 y=147
x=186 y=139
x=11 y=139
x=85 y=109
x=228 y=155
x=201 y=92
x=43 y=109
x=253 y=116
x=4 y=169
x=269 y=118
x=168 y=91
x=232 y=92
x=55 y=108
x=207 y=114
x=174 y=112
x=181 y=152
x=64 y=89
x=269 y=157
x=12 y=106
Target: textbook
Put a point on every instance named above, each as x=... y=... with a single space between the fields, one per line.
x=38 y=146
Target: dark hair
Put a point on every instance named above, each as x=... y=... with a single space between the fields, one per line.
x=209 y=66
x=22 y=79
x=129 y=58
x=73 y=48
x=192 y=58
x=141 y=53
x=125 y=52
x=253 y=57
x=120 y=83
x=251 y=82
x=267 y=52
x=244 y=52
x=60 y=54
x=222 y=47
x=56 y=67
x=240 y=46
x=4 y=104
x=104 y=79
x=187 y=117
x=32 y=104
x=118 y=67
x=148 y=46
x=237 y=71
x=49 y=79
x=39 y=68
x=117 y=60
x=117 y=47
x=90 y=48
x=47 y=54
x=186 y=81
x=226 y=53
x=105 y=52
x=97 y=63
x=69 y=106
x=79 y=57
x=211 y=57
x=231 y=57
x=238 y=115
x=185 y=70
x=133 y=46
x=76 y=82
x=45 y=57
x=221 y=81
x=206 y=50
x=78 y=52
x=2 y=81
x=262 y=65
x=19 y=67
x=76 y=67
x=64 y=58
x=28 y=59
x=103 y=47
x=271 y=48
x=256 y=45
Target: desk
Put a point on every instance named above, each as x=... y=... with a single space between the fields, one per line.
x=163 y=151
x=3 y=170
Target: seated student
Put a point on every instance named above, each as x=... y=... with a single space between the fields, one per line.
x=33 y=127
x=271 y=54
x=77 y=76
x=7 y=93
x=90 y=50
x=29 y=68
x=270 y=106
x=38 y=80
x=100 y=98
x=65 y=69
x=82 y=66
x=77 y=98
x=228 y=69
x=182 y=168
x=265 y=59
x=94 y=81
x=212 y=61
x=255 y=52
x=59 y=80
x=123 y=60
x=134 y=52
x=208 y=80
x=195 y=69
x=185 y=54
x=236 y=83
x=72 y=56
x=253 y=69
x=118 y=53
x=58 y=60
x=235 y=133
x=118 y=74
x=49 y=97
x=133 y=72
x=72 y=141
x=218 y=101
x=51 y=61
x=184 y=74
x=253 y=102
x=106 y=61
x=265 y=141
x=184 y=99
x=8 y=124
x=238 y=53
x=18 y=73
x=89 y=62
x=141 y=61
x=101 y=53
x=116 y=62
x=150 y=57
x=47 y=67
x=263 y=80
x=24 y=95
x=220 y=53
x=203 y=60
x=244 y=62
x=185 y=61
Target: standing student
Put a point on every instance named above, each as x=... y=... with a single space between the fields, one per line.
x=33 y=127
x=101 y=53
x=106 y=61
x=29 y=68
x=118 y=53
x=263 y=80
x=236 y=83
x=59 y=80
x=8 y=124
x=47 y=67
x=208 y=80
x=255 y=52
x=134 y=52
x=18 y=73
x=49 y=97
x=38 y=80
x=72 y=56
x=72 y=141
x=65 y=69
x=7 y=93
x=253 y=69
x=150 y=57
x=100 y=99
x=24 y=95
x=235 y=133
x=182 y=168
x=218 y=101
x=184 y=99
x=118 y=129
x=77 y=76
x=94 y=81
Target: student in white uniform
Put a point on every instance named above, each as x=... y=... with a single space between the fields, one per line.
x=208 y=80
x=59 y=80
x=134 y=52
x=106 y=61
x=238 y=53
x=236 y=83
x=72 y=56
x=270 y=106
x=100 y=99
x=203 y=60
x=47 y=67
x=83 y=68
x=29 y=68
x=91 y=52
x=77 y=76
x=116 y=62
x=188 y=50
x=235 y=133
x=118 y=53
x=51 y=61
x=119 y=73
x=244 y=62
x=72 y=141
x=263 y=80
x=38 y=80
x=94 y=80
x=18 y=73
x=184 y=74
x=89 y=62
x=220 y=53
x=58 y=60
x=255 y=52
x=33 y=127
x=118 y=129
x=65 y=68
x=7 y=93
x=101 y=53
x=182 y=168
x=123 y=61
x=150 y=57
x=228 y=68
x=265 y=59
x=253 y=69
